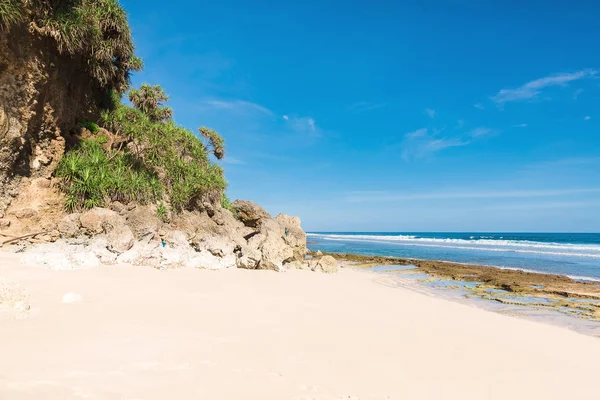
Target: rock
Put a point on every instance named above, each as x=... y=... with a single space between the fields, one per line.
x=69 y=226
x=214 y=252
x=143 y=221
x=4 y=223
x=318 y=253
x=119 y=208
x=142 y=253
x=269 y=240
x=298 y=265
x=248 y=257
x=293 y=235
x=177 y=240
x=24 y=213
x=93 y=220
x=120 y=239
x=83 y=259
x=326 y=264
x=249 y=213
x=99 y=246
x=206 y=260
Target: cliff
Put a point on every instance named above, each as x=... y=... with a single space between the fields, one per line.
x=91 y=180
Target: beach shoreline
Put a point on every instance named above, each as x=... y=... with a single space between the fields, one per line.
x=137 y=332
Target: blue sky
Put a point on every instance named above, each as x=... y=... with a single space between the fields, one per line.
x=378 y=116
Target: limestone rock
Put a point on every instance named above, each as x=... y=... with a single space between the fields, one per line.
x=93 y=220
x=293 y=235
x=326 y=264
x=4 y=223
x=248 y=257
x=69 y=226
x=177 y=240
x=120 y=238
x=143 y=221
x=249 y=213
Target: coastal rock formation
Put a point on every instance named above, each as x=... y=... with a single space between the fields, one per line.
x=249 y=213
x=193 y=239
x=326 y=264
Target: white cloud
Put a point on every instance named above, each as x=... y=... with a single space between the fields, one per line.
x=286 y=117
x=235 y=106
x=303 y=125
x=382 y=196
x=532 y=89
x=430 y=112
x=422 y=143
x=587 y=118
x=417 y=133
x=520 y=126
x=479 y=106
x=479 y=132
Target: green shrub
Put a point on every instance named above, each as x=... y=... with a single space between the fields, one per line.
x=159 y=144
x=226 y=204
x=91 y=177
x=11 y=14
x=162 y=161
x=162 y=212
x=90 y=126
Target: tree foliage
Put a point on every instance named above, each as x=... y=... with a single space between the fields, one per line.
x=94 y=33
x=149 y=100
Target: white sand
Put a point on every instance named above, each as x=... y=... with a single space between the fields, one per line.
x=138 y=333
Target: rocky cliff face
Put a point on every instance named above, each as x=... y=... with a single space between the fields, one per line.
x=42 y=97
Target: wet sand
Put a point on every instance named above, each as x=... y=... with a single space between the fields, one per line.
x=140 y=333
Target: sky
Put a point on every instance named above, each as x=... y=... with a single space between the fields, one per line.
x=391 y=116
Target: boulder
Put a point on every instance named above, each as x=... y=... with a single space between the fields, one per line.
x=69 y=226
x=93 y=220
x=4 y=223
x=269 y=240
x=143 y=221
x=326 y=264
x=249 y=213
x=177 y=240
x=248 y=257
x=206 y=260
x=293 y=235
x=120 y=239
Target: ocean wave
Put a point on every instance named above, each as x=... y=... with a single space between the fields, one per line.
x=488 y=242
x=513 y=246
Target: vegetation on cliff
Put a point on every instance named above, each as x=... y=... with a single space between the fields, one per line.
x=127 y=152
x=147 y=159
x=94 y=34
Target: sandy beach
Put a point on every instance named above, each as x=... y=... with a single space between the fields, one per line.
x=140 y=333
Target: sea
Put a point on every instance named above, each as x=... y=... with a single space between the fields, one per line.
x=576 y=255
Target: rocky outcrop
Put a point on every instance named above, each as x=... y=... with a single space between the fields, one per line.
x=326 y=264
x=249 y=213
x=191 y=239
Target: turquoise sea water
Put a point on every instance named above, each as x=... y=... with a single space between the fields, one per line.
x=573 y=254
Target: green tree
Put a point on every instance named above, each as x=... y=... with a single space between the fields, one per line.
x=149 y=99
